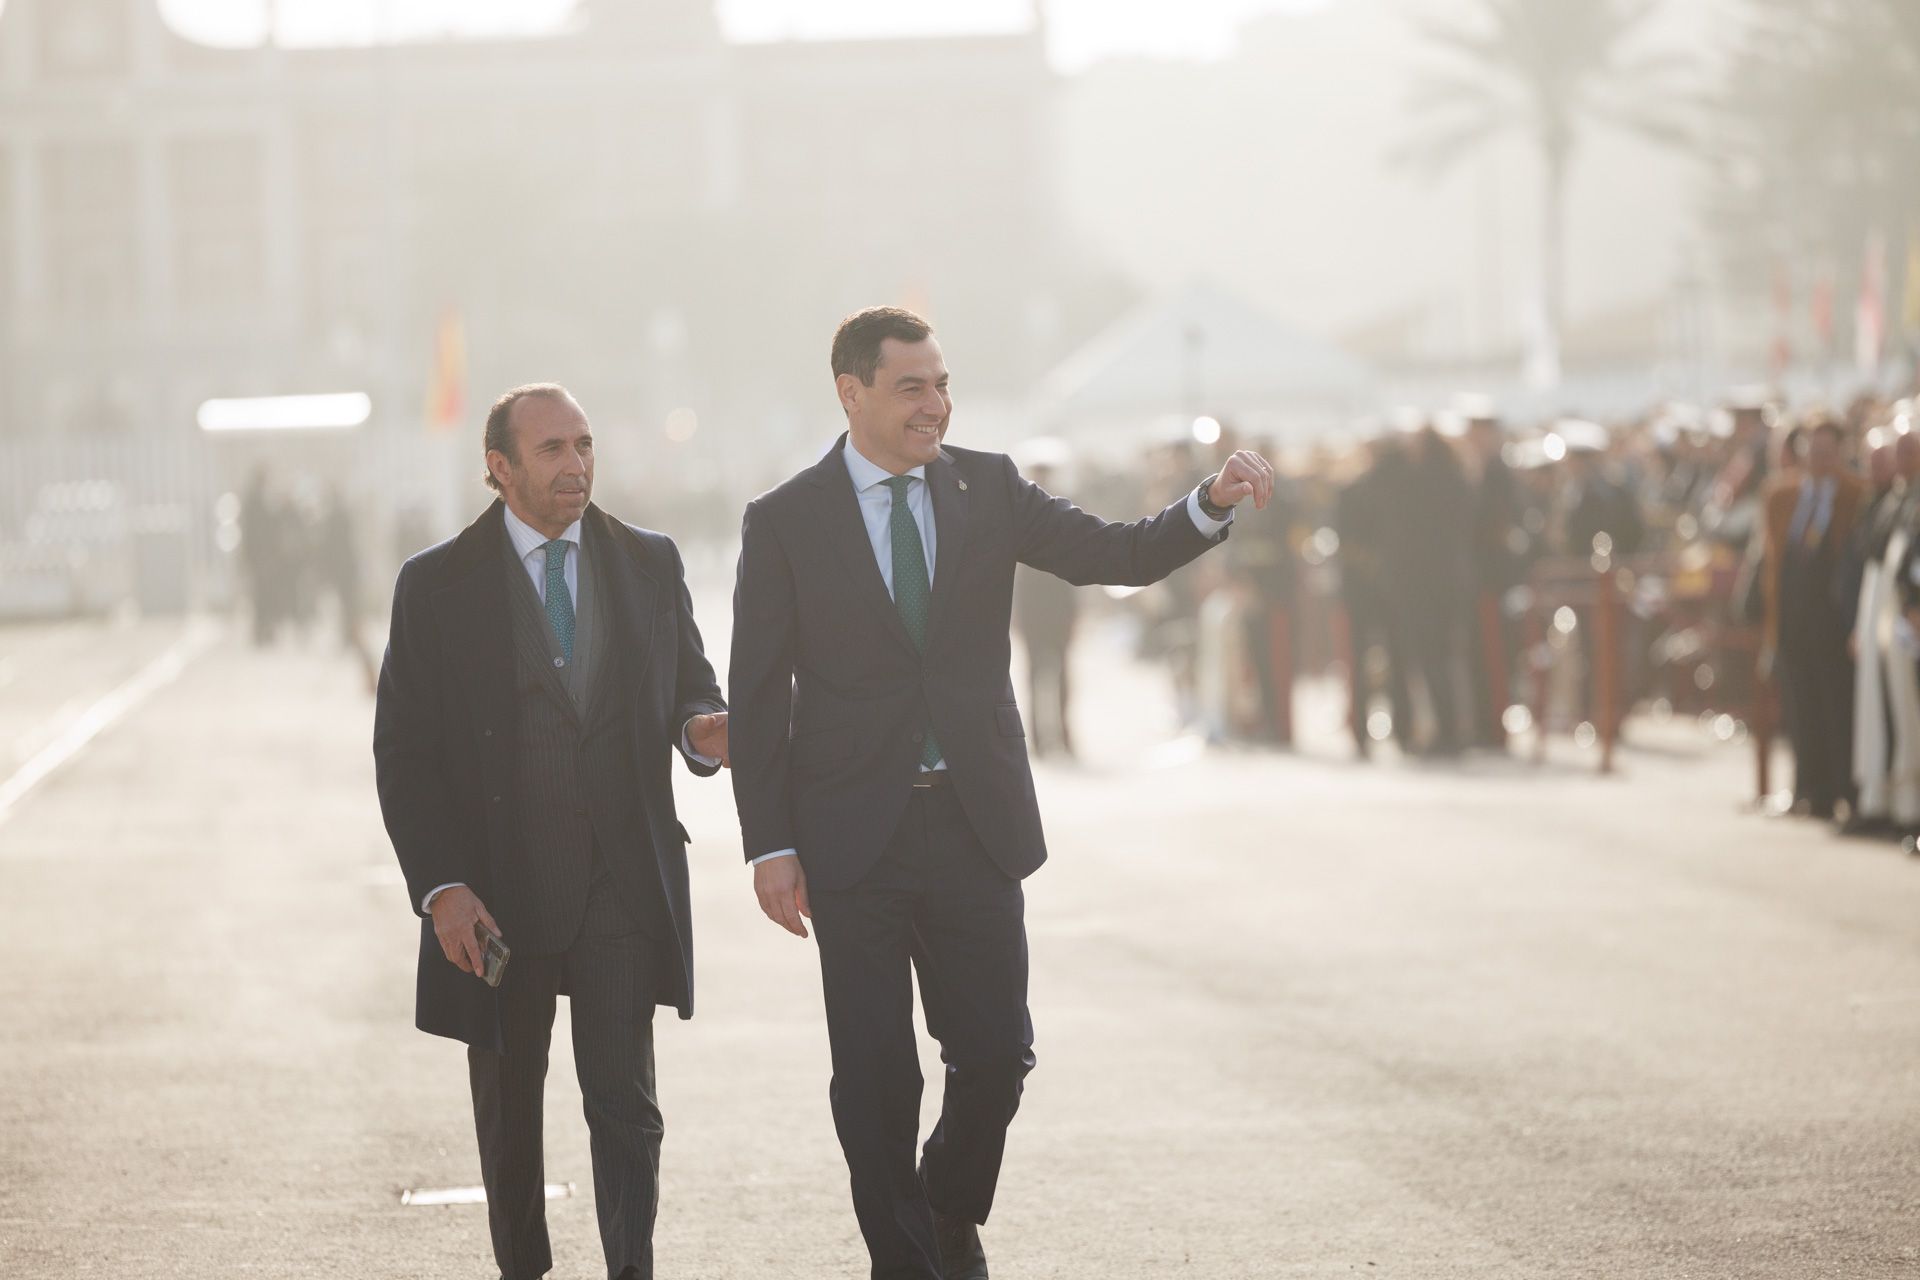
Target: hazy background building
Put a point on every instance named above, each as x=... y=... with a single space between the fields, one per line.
x=667 y=207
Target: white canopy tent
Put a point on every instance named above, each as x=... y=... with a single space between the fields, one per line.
x=1203 y=350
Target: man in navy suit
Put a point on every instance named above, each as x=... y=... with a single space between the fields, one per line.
x=880 y=764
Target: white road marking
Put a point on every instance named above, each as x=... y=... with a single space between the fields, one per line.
x=1176 y=753
x=103 y=715
x=470 y=1195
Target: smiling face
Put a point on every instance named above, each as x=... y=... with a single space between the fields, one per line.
x=898 y=422
x=548 y=479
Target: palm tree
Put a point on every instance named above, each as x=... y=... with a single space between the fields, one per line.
x=1547 y=69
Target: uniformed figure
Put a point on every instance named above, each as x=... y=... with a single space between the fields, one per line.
x=1863 y=594
x=1809 y=518
x=1263 y=558
x=1496 y=515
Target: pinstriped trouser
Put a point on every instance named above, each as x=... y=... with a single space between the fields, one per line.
x=613 y=1056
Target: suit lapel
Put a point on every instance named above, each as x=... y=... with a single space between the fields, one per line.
x=476 y=617
x=950 y=504
x=847 y=533
x=628 y=604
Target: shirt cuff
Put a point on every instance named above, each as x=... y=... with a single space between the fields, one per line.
x=769 y=857
x=686 y=745
x=1206 y=524
x=426 y=903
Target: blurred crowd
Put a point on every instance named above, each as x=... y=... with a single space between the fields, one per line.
x=299 y=556
x=1470 y=578
x=1765 y=562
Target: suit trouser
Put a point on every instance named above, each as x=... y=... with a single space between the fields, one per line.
x=1426 y=642
x=934 y=904
x=1817 y=677
x=1050 y=694
x=613 y=1056
x=1269 y=644
x=1368 y=623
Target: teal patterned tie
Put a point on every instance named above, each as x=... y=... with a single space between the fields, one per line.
x=910 y=589
x=559 y=602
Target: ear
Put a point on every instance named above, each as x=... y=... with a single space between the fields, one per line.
x=849 y=388
x=499 y=466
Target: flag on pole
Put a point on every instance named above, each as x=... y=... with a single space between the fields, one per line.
x=447 y=393
x=1910 y=308
x=1781 y=355
x=1820 y=311
x=1870 y=310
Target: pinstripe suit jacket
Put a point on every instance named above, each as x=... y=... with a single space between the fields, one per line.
x=446 y=739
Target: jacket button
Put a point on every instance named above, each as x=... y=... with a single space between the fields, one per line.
x=486 y=733
x=496 y=799
x=918 y=736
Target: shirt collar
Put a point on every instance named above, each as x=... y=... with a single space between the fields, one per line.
x=527 y=539
x=866 y=473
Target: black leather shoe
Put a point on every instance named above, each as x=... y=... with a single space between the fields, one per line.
x=961 y=1257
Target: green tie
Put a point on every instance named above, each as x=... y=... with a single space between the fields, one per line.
x=910 y=590
x=559 y=602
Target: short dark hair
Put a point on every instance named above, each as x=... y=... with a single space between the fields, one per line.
x=499 y=434
x=856 y=345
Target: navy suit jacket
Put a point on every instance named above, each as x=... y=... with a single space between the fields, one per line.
x=829 y=696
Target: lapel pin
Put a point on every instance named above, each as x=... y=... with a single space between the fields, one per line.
x=961 y=483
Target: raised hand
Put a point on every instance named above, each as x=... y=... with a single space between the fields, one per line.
x=1244 y=475
x=708 y=736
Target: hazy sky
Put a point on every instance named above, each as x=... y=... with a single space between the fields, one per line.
x=1082 y=31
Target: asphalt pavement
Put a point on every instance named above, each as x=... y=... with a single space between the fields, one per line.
x=1297 y=1016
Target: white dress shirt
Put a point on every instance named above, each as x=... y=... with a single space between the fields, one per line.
x=876 y=508
x=531 y=546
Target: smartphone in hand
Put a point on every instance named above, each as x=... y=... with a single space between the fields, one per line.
x=493 y=954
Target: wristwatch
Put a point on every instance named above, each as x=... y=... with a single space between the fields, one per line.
x=1207 y=506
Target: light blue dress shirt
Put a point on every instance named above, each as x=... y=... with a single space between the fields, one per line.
x=876 y=508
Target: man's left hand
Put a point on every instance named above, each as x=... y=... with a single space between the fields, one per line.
x=707 y=734
x=1245 y=475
